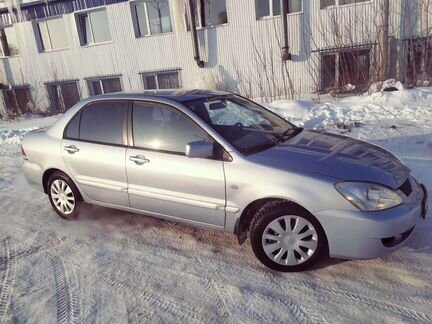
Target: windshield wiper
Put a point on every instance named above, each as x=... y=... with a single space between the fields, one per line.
x=259 y=148
x=289 y=133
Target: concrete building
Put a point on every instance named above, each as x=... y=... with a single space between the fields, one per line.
x=55 y=52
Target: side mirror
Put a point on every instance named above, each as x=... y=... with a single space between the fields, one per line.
x=199 y=149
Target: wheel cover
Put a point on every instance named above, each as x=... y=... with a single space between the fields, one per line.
x=290 y=240
x=62 y=197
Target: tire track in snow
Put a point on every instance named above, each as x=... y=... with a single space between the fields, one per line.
x=35 y=250
x=67 y=294
x=7 y=278
x=162 y=304
x=309 y=287
x=355 y=297
x=302 y=285
x=220 y=294
x=265 y=302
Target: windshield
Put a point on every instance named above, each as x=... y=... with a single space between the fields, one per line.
x=246 y=125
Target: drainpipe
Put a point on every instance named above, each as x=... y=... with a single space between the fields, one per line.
x=384 y=40
x=197 y=58
x=286 y=55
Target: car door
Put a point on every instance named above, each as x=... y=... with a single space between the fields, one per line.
x=94 y=151
x=162 y=179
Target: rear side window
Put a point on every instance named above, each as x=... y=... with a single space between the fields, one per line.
x=103 y=122
x=164 y=129
x=72 y=130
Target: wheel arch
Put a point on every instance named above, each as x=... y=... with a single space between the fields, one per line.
x=243 y=223
x=47 y=174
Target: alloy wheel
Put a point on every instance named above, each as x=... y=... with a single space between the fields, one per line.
x=62 y=196
x=290 y=240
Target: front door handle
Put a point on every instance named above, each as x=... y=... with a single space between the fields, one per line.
x=71 y=149
x=139 y=159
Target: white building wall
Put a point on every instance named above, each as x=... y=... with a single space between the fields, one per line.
x=243 y=55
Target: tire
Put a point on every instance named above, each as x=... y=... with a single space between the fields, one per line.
x=64 y=196
x=295 y=249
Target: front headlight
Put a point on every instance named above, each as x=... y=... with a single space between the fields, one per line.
x=368 y=196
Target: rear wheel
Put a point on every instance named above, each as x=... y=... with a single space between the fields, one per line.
x=63 y=195
x=286 y=238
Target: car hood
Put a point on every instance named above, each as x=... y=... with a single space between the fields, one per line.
x=335 y=156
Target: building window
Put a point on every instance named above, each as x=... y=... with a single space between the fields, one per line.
x=328 y=72
x=9 y=42
x=98 y=86
x=63 y=95
x=51 y=34
x=18 y=100
x=162 y=80
x=208 y=13
x=419 y=58
x=151 y=17
x=270 y=8
x=93 y=27
x=344 y=68
x=329 y=3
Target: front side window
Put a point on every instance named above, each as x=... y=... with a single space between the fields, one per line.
x=51 y=34
x=103 y=122
x=270 y=8
x=151 y=17
x=163 y=128
x=104 y=85
x=9 y=42
x=93 y=27
x=209 y=13
x=161 y=80
x=243 y=123
x=63 y=95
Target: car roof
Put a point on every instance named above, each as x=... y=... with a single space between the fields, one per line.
x=179 y=95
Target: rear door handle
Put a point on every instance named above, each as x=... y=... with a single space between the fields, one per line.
x=139 y=159
x=71 y=149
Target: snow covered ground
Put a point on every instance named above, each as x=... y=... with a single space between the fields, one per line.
x=113 y=267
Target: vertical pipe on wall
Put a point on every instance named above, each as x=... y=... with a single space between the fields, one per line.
x=197 y=58
x=384 y=40
x=286 y=55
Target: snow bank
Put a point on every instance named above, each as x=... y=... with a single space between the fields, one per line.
x=11 y=133
x=383 y=85
x=414 y=105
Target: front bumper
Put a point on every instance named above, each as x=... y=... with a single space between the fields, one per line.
x=367 y=235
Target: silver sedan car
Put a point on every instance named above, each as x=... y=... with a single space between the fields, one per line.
x=220 y=161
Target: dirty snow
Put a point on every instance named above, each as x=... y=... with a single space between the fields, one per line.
x=113 y=267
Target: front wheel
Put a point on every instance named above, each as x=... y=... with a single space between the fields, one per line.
x=63 y=195
x=286 y=238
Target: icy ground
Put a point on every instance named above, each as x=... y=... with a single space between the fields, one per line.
x=116 y=267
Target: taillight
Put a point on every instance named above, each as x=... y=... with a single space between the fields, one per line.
x=23 y=153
